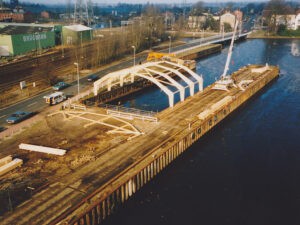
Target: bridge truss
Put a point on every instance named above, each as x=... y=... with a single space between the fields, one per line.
x=161 y=73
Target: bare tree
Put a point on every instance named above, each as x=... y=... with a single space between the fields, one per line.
x=154 y=27
x=272 y=10
x=181 y=23
x=106 y=47
x=48 y=73
x=229 y=6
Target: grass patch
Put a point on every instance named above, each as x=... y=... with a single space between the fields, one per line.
x=289 y=33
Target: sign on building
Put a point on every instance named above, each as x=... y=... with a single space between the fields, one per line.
x=33 y=37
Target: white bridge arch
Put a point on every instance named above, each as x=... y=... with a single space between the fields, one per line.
x=159 y=73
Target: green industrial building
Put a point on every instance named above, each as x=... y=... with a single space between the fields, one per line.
x=18 y=40
x=76 y=34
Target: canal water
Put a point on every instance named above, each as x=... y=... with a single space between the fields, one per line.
x=247 y=169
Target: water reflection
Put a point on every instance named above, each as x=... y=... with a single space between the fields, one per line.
x=244 y=53
x=295 y=49
x=244 y=172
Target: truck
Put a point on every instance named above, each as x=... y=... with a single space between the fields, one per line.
x=55 y=98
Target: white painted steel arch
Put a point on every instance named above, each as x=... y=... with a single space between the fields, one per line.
x=183 y=77
x=151 y=71
x=171 y=80
x=162 y=87
x=191 y=72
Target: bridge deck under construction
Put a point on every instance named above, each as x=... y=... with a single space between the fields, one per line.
x=91 y=193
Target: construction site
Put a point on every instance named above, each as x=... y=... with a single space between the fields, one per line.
x=77 y=162
x=100 y=169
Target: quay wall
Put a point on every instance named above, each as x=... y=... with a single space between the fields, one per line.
x=199 y=52
x=106 y=200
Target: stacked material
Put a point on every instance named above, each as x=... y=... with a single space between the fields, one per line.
x=7 y=164
x=215 y=107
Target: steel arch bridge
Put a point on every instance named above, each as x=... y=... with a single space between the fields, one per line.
x=159 y=73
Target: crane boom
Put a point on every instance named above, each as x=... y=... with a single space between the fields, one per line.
x=230 y=50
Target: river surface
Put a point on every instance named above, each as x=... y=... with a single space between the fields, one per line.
x=246 y=171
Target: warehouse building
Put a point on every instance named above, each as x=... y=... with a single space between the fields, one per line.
x=18 y=40
x=76 y=34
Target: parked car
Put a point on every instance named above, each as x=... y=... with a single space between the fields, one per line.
x=60 y=85
x=19 y=116
x=92 y=77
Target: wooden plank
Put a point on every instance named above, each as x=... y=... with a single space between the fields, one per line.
x=36 y=148
x=5 y=160
x=221 y=103
x=10 y=166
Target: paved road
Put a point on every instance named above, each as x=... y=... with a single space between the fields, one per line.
x=37 y=103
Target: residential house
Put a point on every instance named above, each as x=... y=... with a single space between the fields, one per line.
x=227 y=18
x=196 y=22
x=169 y=19
x=9 y=15
x=291 y=21
x=297 y=21
x=45 y=15
x=239 y=15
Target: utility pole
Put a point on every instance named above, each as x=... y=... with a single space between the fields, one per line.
x=81 y=11
x=133 y=54
x=68 y=10
x=91 y=10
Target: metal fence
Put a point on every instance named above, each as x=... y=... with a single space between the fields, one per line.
x=76 y=98
x=128 y=110
x=130 y=113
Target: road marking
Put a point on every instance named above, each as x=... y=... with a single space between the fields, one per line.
x=31 y=104
x=3 y=116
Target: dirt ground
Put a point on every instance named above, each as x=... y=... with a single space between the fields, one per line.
x=39 y=169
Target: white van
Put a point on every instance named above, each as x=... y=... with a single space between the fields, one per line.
x=55 y=98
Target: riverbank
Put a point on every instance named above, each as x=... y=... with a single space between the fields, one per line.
x=122 y=169
x=11 y=93
x=264 y=35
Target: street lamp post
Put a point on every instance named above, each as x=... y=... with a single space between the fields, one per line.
x=62 y=45
x=170 y=43
x=133 y=54
x=202 y=36
x=77 y=65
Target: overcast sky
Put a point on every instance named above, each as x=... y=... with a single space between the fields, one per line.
x=139 y=1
